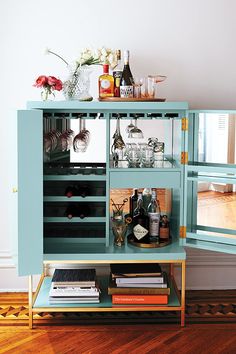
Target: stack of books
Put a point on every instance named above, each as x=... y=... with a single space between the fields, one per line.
x=74 y=286
x=138 y=284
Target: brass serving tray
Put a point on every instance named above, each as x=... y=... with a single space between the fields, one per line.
x=131 y=99
x=131 y=240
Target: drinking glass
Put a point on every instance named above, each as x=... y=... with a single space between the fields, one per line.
x=138 y=82
x=147 y=157
x=153 y=81
x=134 y=158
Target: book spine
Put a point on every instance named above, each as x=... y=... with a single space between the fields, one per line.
x=140 y=299
x=140 y=291
x=157 y=280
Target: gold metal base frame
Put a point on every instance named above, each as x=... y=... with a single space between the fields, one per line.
x=180 y=294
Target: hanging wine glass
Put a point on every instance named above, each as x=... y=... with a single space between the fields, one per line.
x=81 y=140
x=136 y=133
x=130 y=126
x=118 y=143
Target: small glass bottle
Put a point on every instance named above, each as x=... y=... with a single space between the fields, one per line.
x=117 y=73
x=164 y=228
x=154 y=213
x=106 y=83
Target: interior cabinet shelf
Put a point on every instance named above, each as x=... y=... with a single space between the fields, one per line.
x=74 y=199
x=60 y=251
x=42 y=301
x=75 y=219
x=74 y=177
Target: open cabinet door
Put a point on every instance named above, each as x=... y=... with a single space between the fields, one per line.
x=29 y=245
x=210 y=182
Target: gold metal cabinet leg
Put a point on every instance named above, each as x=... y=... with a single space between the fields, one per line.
x=183 y=275
x=30 y=302
x=171 y=269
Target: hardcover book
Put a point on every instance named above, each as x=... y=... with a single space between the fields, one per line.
x=82 y=277
x=140 y=280
x=139 y=299
x=135 y=270
x=114 y=289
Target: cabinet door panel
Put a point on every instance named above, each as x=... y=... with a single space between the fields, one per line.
x=210 y=182
x=30 y=192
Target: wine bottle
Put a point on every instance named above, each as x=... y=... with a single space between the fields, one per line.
x=83 y=191
x=83 y=210
x=106 y=83
x=140 y=221
x=117 y=73
x=147 y=196
x=154 y=213
x=71 y=211
x=133 y=202
x=126 y=81
x=70 y=191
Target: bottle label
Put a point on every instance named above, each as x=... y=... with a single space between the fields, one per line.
x=154 y=222
x=140 y=231
x=105 y=84
x=126 y=91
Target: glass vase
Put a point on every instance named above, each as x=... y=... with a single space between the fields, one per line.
x=47 y=95
x=77 y=85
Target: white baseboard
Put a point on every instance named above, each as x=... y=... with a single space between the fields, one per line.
x=205 y=271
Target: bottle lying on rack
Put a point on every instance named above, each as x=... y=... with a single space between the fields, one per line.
x=78 y=210
x=81 y=191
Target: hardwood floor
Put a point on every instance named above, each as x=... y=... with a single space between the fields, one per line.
x=120 y=339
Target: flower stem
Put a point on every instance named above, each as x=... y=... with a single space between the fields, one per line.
x=57 y=55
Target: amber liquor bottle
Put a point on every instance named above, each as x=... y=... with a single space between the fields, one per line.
x=106 y=83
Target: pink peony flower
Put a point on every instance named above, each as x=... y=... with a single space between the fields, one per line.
x=41 y=81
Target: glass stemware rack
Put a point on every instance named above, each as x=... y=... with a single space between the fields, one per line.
x=96 y=172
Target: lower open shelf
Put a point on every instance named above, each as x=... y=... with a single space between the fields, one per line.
x=42 y=301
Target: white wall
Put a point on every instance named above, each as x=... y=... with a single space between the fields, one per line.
x=192 y=42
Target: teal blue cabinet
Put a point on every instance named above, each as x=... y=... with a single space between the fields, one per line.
x=38 y=239
x=46 y=166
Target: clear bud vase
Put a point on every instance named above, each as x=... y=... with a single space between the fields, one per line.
x=47 y=95
x=77 y=85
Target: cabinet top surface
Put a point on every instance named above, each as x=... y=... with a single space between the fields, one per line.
x=107 y=106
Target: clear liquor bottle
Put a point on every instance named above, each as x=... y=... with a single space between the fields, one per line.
x=117 y=73
x=154 y=214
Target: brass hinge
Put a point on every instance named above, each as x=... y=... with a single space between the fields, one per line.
x=182 y=231
x=184 y=158
x=184 y=123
